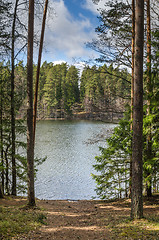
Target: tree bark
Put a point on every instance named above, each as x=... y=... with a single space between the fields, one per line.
x=132 y=84
x=137 y=166
x=1 y=191
x=133 y=51
x=149 y=90
x=1 y=139
x=38 y=68
x=13 y=104
x=30 y=136
x=7 y=171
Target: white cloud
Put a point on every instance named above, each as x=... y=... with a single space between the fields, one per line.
x=94 y=7
x=66 y=34
x=58 y=62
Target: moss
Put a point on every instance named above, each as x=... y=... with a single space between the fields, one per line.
x=14 y=221
x=147 y=228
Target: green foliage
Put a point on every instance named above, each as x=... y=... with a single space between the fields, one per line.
x=114 y=164
x=114 y=33
x=101 y=88
x=54 y=86
x=71 y=94
x=61 y=89
x=41 y=218
x=20 y=86
x=20 y=131
x=42 y=78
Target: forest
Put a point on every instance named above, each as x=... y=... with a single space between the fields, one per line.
x=125 y=85
x=65 y=93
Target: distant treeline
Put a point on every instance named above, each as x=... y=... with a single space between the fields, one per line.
x=64 y=92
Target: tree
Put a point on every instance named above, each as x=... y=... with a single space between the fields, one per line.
x=13 y=100
x=4 y=117
x=1 y=132
x=150 y=134
x=38 y=68
x=71 y=89
x=149 y=91
x=5 y=21
x=52 y=89
x=132 y=80
x=114 y=163
x=1 y=192
x=30 y=135
x=103 y=88
x=114 y=33
x=137 y=168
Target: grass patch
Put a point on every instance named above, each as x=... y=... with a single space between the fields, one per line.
x=122 y=227
x=15 y=220
x=145 y=229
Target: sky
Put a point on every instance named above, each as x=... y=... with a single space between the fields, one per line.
x=70 y=25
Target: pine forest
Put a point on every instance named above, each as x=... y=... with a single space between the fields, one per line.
x=119 y=86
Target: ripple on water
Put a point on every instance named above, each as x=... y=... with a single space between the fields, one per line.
x=66 y=174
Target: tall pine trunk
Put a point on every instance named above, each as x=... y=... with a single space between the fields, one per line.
x=7 y=170
x=1 y=140
x=38 y=69
x=30 y=135
x=149 y=90
x=13 y=103
x=133 y=51
x=132 y=83
x=137 y=166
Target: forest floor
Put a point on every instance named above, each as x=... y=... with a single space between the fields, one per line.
x=85 y=220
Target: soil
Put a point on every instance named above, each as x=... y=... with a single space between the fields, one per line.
x=85 y=220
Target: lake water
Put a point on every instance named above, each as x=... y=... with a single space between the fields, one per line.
x=70 y=148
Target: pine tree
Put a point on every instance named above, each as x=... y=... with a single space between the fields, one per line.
x=71 y=89
x=137 y=169
x=30 y=137
x=114 y=33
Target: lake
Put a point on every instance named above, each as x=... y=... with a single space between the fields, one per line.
x=70 y=148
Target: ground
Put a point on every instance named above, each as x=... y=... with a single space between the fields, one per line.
x=90 y=220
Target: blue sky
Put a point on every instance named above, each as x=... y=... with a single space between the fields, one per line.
x=69 y=27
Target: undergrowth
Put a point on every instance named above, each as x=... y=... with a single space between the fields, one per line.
x=16 y=221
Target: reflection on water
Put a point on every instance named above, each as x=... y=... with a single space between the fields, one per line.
x=66 y=174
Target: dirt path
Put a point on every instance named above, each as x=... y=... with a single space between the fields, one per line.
x=85 y=220
x=89 y=220
x=73 y=220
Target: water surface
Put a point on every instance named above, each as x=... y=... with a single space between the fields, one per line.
x=68 y=145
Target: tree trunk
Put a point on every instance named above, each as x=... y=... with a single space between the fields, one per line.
x=7 y=171
x=133 y=50
x=132 y=84
x=30 y=136
x=1 y=138
x=137 y=167
x=149 y=90
x=1 y=192
x=38 y=69
x=13 y=104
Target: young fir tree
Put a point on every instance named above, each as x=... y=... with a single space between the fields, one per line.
x=71 y=89
x=113 y=164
